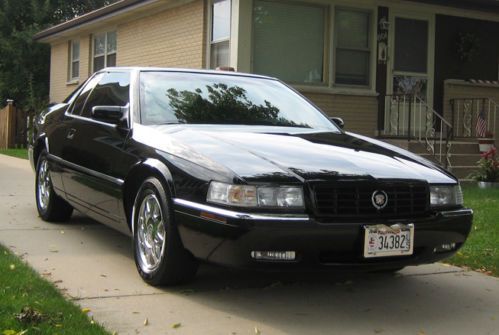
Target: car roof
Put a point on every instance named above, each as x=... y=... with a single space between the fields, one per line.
x=199 y=71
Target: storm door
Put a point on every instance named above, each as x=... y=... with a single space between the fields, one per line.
x=410 y=75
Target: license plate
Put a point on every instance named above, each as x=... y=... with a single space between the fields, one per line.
x=382 y=241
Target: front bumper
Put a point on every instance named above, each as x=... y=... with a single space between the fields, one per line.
x=228 y=238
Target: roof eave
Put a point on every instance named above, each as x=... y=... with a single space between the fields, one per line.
x=114 y=9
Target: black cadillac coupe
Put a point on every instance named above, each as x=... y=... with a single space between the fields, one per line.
x=239 y=170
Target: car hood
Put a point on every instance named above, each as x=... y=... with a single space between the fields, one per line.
x=270 y=154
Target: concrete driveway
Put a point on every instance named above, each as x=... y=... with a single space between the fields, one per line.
x=94 y=266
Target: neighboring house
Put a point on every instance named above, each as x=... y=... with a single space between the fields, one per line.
x=390 y=68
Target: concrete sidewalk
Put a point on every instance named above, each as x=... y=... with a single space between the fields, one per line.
x=94 y=266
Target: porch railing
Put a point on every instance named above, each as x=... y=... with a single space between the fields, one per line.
x=466 y=113
x=410 y=117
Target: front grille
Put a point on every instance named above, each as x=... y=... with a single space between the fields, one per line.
x=353 y=198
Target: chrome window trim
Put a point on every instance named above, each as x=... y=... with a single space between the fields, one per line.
x=88 y=171
x=131 y=99
x=240 y=215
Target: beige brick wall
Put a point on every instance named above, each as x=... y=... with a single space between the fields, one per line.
x=172 y=38
x=360 y=113
x=454 y=89
x=59 y=72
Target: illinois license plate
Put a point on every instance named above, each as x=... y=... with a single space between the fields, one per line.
x=382 y=240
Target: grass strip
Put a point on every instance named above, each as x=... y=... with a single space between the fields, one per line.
x=481 y=250
x=30 y=304
x=19 y=153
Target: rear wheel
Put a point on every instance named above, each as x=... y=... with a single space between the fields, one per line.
x=50 y=206
x=159 y=254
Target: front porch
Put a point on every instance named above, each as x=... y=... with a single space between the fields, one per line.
x=471 y=111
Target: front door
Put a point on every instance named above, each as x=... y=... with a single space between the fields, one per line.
x=94 y=150
x=410 y=73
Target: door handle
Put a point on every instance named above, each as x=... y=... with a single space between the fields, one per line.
x=71 y=134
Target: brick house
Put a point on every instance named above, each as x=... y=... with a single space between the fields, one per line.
x=422 y=70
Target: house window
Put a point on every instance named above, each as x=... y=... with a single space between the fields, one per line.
x=220 y=33
x=353 y=47
x=289 y=41
x=74 y=60
x=104 y=50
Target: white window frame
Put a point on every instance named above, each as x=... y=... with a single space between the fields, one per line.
x=71 y=77
x=371 y=45
x=329 y=85
x=209 y=32
x=106 y=53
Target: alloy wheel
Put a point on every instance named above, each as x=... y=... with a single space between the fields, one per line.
x=44 y=185
x=151 y=233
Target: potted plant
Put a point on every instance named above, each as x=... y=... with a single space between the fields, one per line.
x=487 y=174
x=486 y=142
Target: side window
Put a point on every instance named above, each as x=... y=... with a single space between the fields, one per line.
x=112 y=90
x=82 y=97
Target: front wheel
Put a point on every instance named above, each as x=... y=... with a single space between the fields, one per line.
x=50 y=206
x=159 y=254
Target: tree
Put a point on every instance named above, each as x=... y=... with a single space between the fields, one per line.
x=24 y=63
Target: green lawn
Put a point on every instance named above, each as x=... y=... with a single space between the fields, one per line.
x=19 y=153
x=481 y=251
x=31 y=305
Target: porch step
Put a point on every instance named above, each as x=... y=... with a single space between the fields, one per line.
x=458 y=147
x=462 y=172
x=456 y=159
x=464 y=159
x=464 y=155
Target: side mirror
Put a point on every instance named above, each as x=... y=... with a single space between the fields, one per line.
x=338 y=121
x=110 y=114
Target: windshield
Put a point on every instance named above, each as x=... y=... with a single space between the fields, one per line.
x=197 y=98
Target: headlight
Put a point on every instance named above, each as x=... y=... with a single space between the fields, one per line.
x=255 y=196
x=443 y=195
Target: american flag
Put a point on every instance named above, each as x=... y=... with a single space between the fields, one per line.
x=481 y=125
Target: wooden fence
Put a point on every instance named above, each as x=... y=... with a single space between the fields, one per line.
x=13 y=127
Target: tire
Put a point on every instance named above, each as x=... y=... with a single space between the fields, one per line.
x=158 y=251
x=50 y=206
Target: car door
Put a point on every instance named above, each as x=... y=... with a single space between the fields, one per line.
x=93 y=150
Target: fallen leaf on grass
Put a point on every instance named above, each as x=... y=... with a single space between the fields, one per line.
x=29 y=315
x=146 y=322
x=176 y=325
x=85 y=310
x=12 y=267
